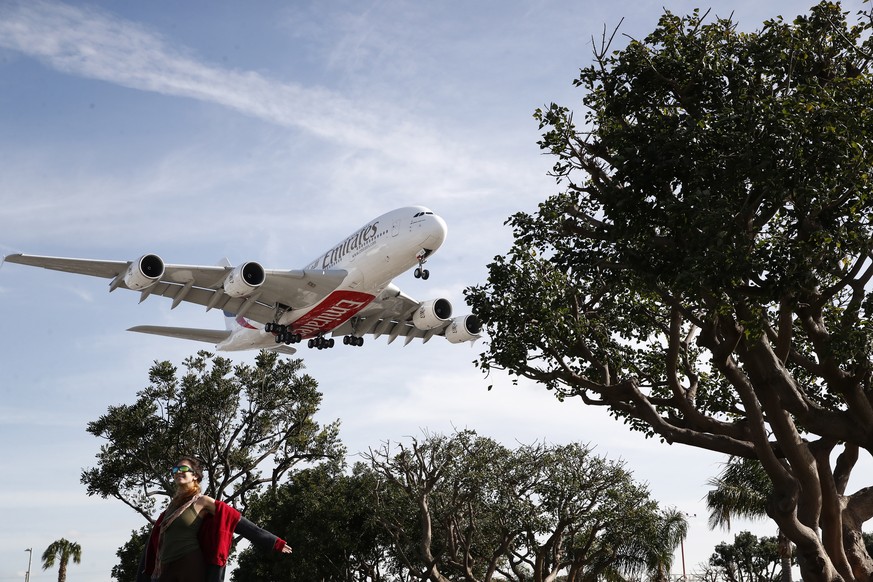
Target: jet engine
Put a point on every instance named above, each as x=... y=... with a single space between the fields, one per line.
x=463 y=329
x=144 y=272
x=432 y=314
x=244 y=279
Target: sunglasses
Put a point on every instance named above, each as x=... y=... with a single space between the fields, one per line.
x=181 y=469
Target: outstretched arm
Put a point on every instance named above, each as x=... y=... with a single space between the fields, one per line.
x=260 y=537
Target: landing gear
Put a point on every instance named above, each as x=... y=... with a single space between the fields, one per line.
x=283 y=334
x=420 y=272
x=321 y=343
x=354 y=339
x=288 y=337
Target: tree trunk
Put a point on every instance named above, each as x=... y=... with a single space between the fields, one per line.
x=853 y=516
x=815 y=564
x=62 y=571
x=784 y=556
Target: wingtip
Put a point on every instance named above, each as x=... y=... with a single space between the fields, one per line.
x=6 y=256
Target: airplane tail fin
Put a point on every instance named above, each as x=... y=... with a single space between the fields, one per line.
x=233 y=322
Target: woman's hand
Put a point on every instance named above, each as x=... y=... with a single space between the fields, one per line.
x=286 y=549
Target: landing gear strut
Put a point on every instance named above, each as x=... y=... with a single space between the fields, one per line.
x=420 y=272
x=354 y=339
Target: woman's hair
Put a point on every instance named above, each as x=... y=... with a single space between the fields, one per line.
x=184 y=494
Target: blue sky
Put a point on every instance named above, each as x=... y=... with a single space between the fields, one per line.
x=269 y=131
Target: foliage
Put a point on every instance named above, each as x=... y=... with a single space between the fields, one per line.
x=748 y=559
x=703 y=274
x=741 y=490
x=63 y=551
x=465 y=508
x=233 y=419
x=129 y=555
x=330 y=524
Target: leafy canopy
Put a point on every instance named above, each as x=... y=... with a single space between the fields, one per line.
x=704 y=273
x=248 y=425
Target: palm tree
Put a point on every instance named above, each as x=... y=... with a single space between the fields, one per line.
x=742 y=490
x=62 y=550
x=672 y=530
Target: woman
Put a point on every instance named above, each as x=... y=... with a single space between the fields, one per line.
x=191 y=539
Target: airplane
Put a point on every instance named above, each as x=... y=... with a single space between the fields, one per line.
x=346 y=291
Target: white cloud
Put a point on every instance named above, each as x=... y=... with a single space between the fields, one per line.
x=90 y=43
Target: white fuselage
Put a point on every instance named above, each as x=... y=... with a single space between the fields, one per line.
x=373 y=255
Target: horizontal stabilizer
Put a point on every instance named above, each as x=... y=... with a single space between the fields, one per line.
x=212 y=336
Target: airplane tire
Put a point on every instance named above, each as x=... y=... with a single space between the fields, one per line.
x=346 y=340
x=311 y=343
x=360 y=342
x=417 y=273
x=330 y=343
x=425 y=274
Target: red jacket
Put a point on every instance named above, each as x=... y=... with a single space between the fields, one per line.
x=216 y=533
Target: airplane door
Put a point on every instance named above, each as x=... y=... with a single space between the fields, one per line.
x=395 y=228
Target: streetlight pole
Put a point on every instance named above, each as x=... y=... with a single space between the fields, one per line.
x=29 y=560
x=682 y=545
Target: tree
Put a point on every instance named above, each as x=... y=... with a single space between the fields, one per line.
x=331 y=525
x=129 y=554
x=742 y=490
x=703 y=274
x=748 y=559
x=63 y=551
x=671 y=530
x=235 y=420
x=463 y=507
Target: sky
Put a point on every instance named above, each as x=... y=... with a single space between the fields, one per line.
x=269 y=131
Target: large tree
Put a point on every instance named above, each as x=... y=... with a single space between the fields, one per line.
x=463 y=507
x=703 y=273
x=62 y=550
x=331 y=524
x=248 y=425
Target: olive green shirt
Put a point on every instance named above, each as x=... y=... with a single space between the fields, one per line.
x=181 y=537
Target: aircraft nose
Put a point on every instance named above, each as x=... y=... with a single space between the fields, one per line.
x=435 y=228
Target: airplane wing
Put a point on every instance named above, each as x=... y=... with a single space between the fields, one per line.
x=212 y=336
x=203 y=285
x=389 y=314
